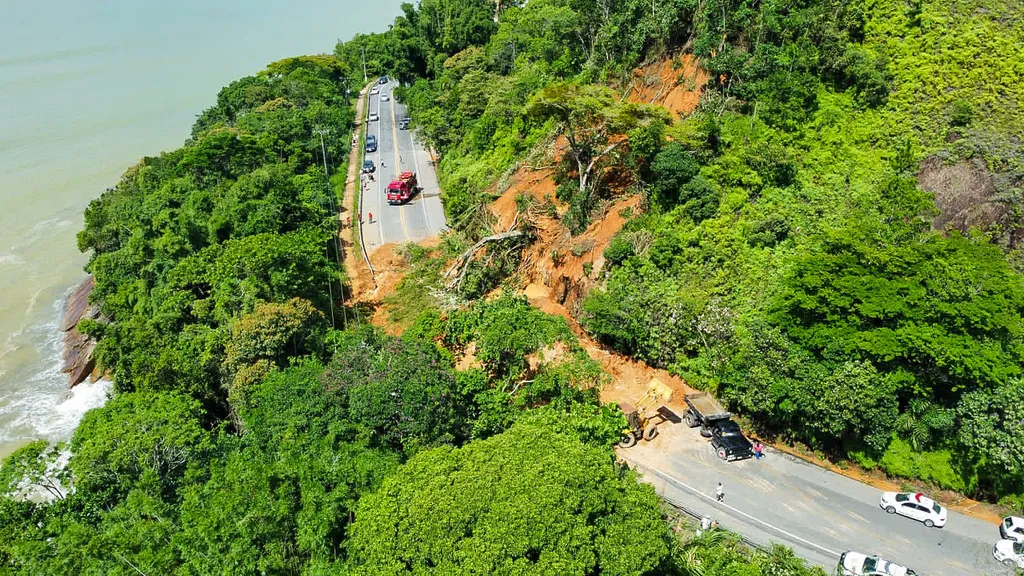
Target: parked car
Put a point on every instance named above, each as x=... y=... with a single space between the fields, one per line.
x=369 y=166
x=857 y=564
x=916 y=506
x=403 y=124
x=371 y=143
x=702 y=409
x=728 y=441
x=385 y=98
x=1012 y=528
x=1009 y=552
x=374 y=117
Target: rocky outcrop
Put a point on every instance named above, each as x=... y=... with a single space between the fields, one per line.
x=78 y=361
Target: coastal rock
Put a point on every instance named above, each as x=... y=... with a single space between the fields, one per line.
x=77 y=306
x=78 y=348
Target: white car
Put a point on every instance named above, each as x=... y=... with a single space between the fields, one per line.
x=384 y=98
x=1009 y=552
x=374 y=90
x=857 y=564
x=916 y=506
x=1012 y=528
x=374 y=117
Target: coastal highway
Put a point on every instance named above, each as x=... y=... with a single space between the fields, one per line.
x=423 y=215
x=820 y=514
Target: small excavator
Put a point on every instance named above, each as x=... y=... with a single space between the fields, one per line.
x=641 y=421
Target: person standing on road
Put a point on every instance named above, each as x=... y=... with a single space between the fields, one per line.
x=370 y=214
x=382 y=165
x=720 y=493
x=758 y=450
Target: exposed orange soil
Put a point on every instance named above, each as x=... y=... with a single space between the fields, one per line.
x=674 y=84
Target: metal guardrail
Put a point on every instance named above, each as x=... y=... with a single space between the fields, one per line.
x=362 y=152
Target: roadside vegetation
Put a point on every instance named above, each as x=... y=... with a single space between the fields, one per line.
x=830 y=242
x=800 y=251
x=256 y=428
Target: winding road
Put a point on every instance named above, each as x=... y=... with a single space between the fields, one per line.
x=818 y=513
x=423 y=215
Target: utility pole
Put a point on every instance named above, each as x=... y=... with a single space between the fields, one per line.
x=365 y=77
x=337 y=242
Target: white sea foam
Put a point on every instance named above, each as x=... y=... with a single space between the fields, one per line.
x=11 y=259
x=43 y=407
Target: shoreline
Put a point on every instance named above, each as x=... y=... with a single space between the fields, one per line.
x=76 y=356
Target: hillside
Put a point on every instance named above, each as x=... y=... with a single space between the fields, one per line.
x=810 y=210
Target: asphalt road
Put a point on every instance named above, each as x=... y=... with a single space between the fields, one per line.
x=423 y=215
x=818 y=513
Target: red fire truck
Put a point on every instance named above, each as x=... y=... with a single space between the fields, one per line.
x=405 y=187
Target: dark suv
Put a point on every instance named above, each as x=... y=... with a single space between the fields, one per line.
x=728 y=441
x=371 y=143
x=369 y=166
x=384 y=79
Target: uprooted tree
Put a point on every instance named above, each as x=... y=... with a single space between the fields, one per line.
x=594 y=122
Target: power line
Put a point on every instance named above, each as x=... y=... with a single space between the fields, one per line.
x=337 y=241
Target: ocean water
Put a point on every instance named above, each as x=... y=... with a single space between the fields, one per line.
x=86 y=89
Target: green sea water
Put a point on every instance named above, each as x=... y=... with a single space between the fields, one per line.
x=86 y=89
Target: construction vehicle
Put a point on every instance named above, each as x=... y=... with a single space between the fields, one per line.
x=403 y=188
x=716 y=423
x=642 y=421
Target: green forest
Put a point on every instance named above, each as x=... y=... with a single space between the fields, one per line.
x=798 y=253
x=804 y=251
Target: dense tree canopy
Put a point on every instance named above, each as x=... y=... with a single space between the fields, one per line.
x=782 y=255
x=497 y=505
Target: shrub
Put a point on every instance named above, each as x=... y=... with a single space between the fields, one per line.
x=935 y=467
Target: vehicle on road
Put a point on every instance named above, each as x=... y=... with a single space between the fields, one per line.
x=1012 y=528
x=385 y=98
x=402 y=189
x=642 y=423
x=1009 y=553
x=729 y=442
x=371 y=143
x=403 y=124
x=857 y=564
x=916 y=506
x=374 y=117
x=716 y=423
x=369 y=166
x=384 y=79
x=374 y=91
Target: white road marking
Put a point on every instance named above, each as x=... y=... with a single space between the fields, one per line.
x=742 y=513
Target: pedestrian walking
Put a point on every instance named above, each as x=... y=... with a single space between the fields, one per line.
x=348 y=221
x=370 y=214
x=758 y=450
x=382 y=165
x=360 y=217
x=720 y=493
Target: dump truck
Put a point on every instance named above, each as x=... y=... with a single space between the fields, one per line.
x=702 y=409
x=642 y=422
x=402 y=189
